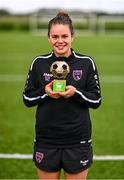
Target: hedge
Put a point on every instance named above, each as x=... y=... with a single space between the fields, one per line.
x=22 y=23
x=114 y=26
x=14 y=23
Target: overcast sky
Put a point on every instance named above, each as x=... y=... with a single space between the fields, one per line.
x=20 y=6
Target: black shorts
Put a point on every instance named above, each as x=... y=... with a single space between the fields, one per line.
x=72 y=160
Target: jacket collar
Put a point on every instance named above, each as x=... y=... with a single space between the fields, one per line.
x=63 y=58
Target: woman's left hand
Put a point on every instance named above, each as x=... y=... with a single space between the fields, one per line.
x=70 y=91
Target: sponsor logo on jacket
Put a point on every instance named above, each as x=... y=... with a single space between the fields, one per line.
x=47 y=76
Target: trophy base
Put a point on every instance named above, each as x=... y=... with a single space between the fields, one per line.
x=59 y=85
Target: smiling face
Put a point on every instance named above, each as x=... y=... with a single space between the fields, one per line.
x=61 y=39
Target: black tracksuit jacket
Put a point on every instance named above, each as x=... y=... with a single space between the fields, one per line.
x=63 y=122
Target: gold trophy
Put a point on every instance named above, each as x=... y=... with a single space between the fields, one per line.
x=59 y=70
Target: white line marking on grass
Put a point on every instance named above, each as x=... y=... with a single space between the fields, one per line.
x=95 y=157
x=12 y=78
x=112 y=79
x=16 y=156
x=22 y=78
x=109 y=157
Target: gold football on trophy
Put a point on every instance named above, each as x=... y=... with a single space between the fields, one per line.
x=59 y=69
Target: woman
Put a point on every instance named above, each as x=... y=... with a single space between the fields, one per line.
x=63 y=125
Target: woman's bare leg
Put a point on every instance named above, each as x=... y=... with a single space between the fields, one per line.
x=48 y=175
x=81 y=175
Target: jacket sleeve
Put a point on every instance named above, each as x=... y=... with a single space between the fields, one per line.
x=33 y=94
x=91 y=96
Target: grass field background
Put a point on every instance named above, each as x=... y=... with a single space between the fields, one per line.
x=17 y=122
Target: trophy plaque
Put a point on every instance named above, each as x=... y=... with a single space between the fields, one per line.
x=59 y=70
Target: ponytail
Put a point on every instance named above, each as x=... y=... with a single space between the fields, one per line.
x=61 y=18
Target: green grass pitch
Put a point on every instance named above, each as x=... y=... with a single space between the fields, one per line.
x=17 y=122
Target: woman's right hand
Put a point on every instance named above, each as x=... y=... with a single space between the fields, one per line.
x=50 y=92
